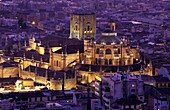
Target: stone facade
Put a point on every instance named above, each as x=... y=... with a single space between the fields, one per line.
x=109 y=49
x=83 y=26
x=6 y=72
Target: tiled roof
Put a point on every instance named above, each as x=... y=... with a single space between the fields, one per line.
x=14 y=79
x=9 y=64
x=160 y=78
x=71 y=49
x=108 y=39
x=54 y=41
x=51 y=74
x=108 y=68
x=34 y=54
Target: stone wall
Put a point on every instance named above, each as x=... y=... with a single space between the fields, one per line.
x=9 y=72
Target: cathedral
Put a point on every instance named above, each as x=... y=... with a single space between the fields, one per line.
x=83 y=57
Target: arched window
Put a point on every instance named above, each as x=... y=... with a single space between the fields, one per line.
x=97 y=50
x=96 y=60
x=57 y=63
x=76 y=28
x=106 y=62
x=118 y=50
x=108 y=51
x=88 y=28
x=110 y=61
x=99 y=61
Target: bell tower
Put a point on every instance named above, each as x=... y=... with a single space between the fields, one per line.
x=83 y=26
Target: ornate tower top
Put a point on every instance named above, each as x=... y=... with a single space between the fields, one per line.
x=83 y=26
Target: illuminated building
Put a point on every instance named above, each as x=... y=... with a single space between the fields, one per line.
x=123 y=90
x=55 y=80
x=83 y=26
x=108 y=53
x=91 y=57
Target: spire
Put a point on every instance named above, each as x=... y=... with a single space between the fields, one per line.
x=46 y=74
x=25 y=43
x=63 y=81
x=36 y=71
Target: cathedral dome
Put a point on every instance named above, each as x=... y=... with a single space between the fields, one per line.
x=108 y=37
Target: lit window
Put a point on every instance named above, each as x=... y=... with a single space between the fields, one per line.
x=33 y=22
x=133 y=85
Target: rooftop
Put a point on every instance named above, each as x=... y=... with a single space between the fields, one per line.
x=108 y=37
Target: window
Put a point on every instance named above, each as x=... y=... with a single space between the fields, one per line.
x=97 y=51
x=127 y=52
x=118 y=51
x=40 y=98
x=76 y=28
x=88 y=28
x=115 y=52
x=107 y=89
x=108 y=51
x=96 y=108
x=106 y=61
x=110 y=61
x=157 y=104
x=133 y=85
x=101 y=53
x=132 y=90
x=96 y=102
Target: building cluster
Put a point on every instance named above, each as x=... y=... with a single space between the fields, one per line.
x=88 y=55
